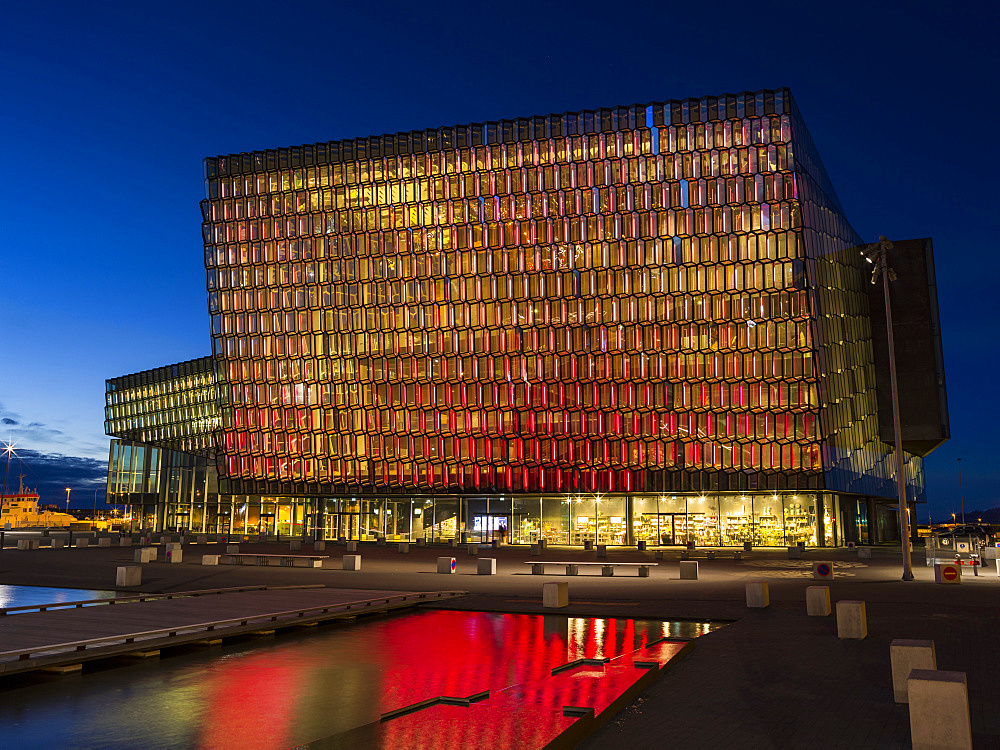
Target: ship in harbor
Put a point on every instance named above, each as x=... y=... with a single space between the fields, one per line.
x=21 y=511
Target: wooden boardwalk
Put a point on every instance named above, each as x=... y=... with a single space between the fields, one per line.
x=61 y=639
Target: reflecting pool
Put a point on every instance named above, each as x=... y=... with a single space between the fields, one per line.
x=331 y=685
x=23 y=596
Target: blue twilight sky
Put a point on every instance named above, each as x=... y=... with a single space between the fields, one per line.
x=107 y=109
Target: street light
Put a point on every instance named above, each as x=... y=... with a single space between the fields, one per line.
x=67 y=499
x=878 y=255
x=961 y=496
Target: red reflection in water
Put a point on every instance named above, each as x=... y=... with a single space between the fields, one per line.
x=268 y=698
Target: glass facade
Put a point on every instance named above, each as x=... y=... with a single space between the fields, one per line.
x=634 y=323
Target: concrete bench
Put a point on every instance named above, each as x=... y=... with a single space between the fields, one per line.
x=287 y=561
x=607 y=569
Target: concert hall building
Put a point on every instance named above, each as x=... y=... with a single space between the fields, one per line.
x=642 y=323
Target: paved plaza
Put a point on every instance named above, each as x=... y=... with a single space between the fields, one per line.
x=772 y=678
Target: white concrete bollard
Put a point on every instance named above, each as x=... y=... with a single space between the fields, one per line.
x=823 y=571
x=472 y=549
x=125 y=541
x=852 y=620
x=351 y=546
x=82 y=542
x=295 y=545
x=175 y=555
x=129 y=575
x=232 y=549
x=758 y=594
x=23 y=544
x=602 y=550
x=906 y=656
x=404 y=548
x=864 y=553
x=939 y=710
x=446 y=565
x=947 y=573
x=689 y=570
x=555 y=595
x=795 y=553
x=58 y=543
x=319 y=546
x=536 y=549
x=164 y=539
x=486 y=566
x=351 y=562
x=104 y=541
x=209 y=559
x=818 y=601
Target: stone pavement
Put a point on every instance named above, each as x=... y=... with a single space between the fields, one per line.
x=771 y=678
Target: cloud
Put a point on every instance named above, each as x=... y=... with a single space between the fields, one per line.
x=8 y=420
x=51 y=473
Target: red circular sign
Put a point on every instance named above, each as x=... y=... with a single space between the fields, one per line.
x=949 y=573
x=823 y=569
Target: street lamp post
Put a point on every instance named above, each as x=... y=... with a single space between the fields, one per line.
x=67 y=499
x=878 y=255
x=961 y=496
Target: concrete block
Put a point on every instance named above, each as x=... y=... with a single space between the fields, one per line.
x=104 y=541
x=486 y=566
x=141 y=555
x=165 y=540
x=351 y=546
x=710 y=555
x=537 y=569
x=421 y=542
x=129 y=575
x=852 y=620
x=209 y=559
x=823 y=571
x=685 y=554
x=82 y=542
x=202 y=539
x=544 y=543
x=27 y=544
x=905 y=657
x=125 y=541
x=452 y=542
x=536 y=549
x=747 y=546
x=58 y=543
x=232 y=549
x=737 y=555
x=658 y=554
x=351 y=562
x=588 y=544
x=939 y=710
x=295 y=545
x=341 y=540
x=864 y=553
x=851 y=545
x=602 y=550
x=572 y=570
x=555 y=595
x=607 y=570
x=689 y=570
x=644 y=571
x=818 y=601
x=690 y=545
x=175 y=556
x=472 y=549
x=380 y=541
x=319 y=546
x=446 y=565
x=795 y=553
x=641 y=545
x=758 y=594
x=947 y=573
x=185 y=539
x=404 y=548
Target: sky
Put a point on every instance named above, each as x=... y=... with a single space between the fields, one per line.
x=107 y=110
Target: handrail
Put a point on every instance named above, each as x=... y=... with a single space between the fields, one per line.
x=150 y=597
x=130 y=638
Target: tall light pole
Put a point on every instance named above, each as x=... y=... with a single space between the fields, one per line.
x=878 y=255
x=67 y=499
x=961 y=497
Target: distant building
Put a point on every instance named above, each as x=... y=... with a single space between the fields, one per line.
x=638 y=323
